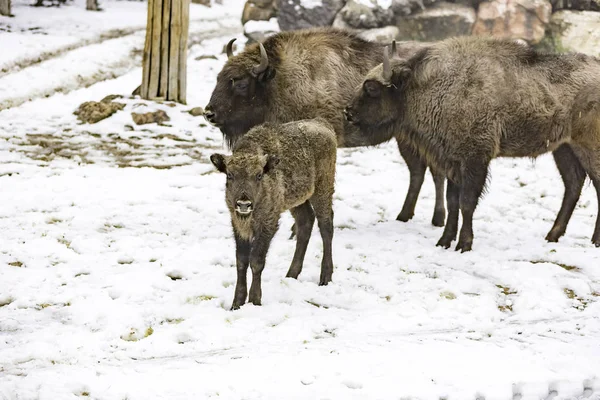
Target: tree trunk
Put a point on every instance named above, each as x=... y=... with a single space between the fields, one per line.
x=91 y=5
x=165 y=51
x=5 y=7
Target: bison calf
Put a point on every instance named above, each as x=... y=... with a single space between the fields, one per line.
x=275 y=168
x=466 y=100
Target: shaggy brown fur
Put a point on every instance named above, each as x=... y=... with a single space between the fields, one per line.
x=275 y=168
x=311 y=73
x=467 y=100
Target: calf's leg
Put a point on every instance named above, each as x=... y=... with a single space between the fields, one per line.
x=590 y=160
x=473 y=177
x=242 y=256
x=258 y=255
x=452 y=198
x=573 y=176
x=304 y=218
x=322 y=204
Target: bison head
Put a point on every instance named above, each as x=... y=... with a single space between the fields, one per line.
x=247 y=179
x=239 y=99
x=377 y=104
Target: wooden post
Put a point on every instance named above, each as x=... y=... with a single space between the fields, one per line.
x=165 y=51
x=5 y=8
x=92 y=5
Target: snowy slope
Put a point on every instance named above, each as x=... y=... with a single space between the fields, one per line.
x=117 y=273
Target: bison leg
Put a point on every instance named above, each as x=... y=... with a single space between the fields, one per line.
x=242 y=255
x=473 y=179
x=452 y=198
x=258 y=255
x=417 y=169
x=322 y=205
x=439 y=213
x=590 y=160
x=304 y=218
x=573 y=176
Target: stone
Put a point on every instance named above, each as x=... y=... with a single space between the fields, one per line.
x=513 y=19
x=441 y=21
x=302 y=14
x=383 y=35
x=257 y=31
x=574 y=31
x=367 y=14
x=158 y=117
x=196 y=112
x=408 y=7
x=254 y=12
x=92 y=112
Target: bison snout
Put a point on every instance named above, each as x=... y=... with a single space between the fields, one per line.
x=210 y=115
x=243 y=207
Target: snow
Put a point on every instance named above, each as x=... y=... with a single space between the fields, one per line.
x=310 y=4
x=117 y=268
x=262 y=26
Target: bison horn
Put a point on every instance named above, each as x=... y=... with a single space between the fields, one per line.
x=394 y=51
x=387 y=70
x=264 y=61
x=230 y=48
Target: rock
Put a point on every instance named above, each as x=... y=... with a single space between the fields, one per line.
x=441 y=21
x=381 y=35
x=258 y=12
x=196 y=112
x=91 y=112
x=514 y=19
x=233 y=48
x=367 y=14
x=408 y=7
x=150 y=117
x=301 y=14
x=257 y=31
x=574 y=31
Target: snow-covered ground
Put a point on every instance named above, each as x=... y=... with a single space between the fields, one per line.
x=117 y=268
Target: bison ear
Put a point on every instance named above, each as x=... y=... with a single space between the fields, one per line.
x=267 y=75
x=271 y=162
x=218 y=161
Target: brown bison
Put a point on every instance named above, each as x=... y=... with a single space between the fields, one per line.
x=466 y=100
x=275 y=168
x=306 y=74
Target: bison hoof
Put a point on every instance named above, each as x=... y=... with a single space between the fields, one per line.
x=404 y=216
x=444 y=242
x=553 y=236
x=438 y=219
x=324 y=282
x=596 y=241
x=464 y=246
x=235 y=306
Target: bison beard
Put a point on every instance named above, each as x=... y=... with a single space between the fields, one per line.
x=467 y=100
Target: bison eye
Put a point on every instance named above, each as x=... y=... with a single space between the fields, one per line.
x=230 y=176
x=259 y=176
x=240 y=86
x=372 y=88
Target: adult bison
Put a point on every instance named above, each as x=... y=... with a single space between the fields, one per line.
x=464 y=101
x=306 y=74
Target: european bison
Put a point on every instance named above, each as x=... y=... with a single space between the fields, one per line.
x=466 y=100
x=305 y=74
x=275 y=168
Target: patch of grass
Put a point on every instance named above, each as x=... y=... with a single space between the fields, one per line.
x=563 y=266
x=148 y=332
x=173 y=321
x=18 y=264
x=506 y=290
x=448 y=295
x=199 y=299
x=312 y=303
x=583 y=303
x=53 y=220
x=6 y=301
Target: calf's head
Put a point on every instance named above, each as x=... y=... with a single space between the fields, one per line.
x=248 y=177
x=378 y=103
x=239 y=99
